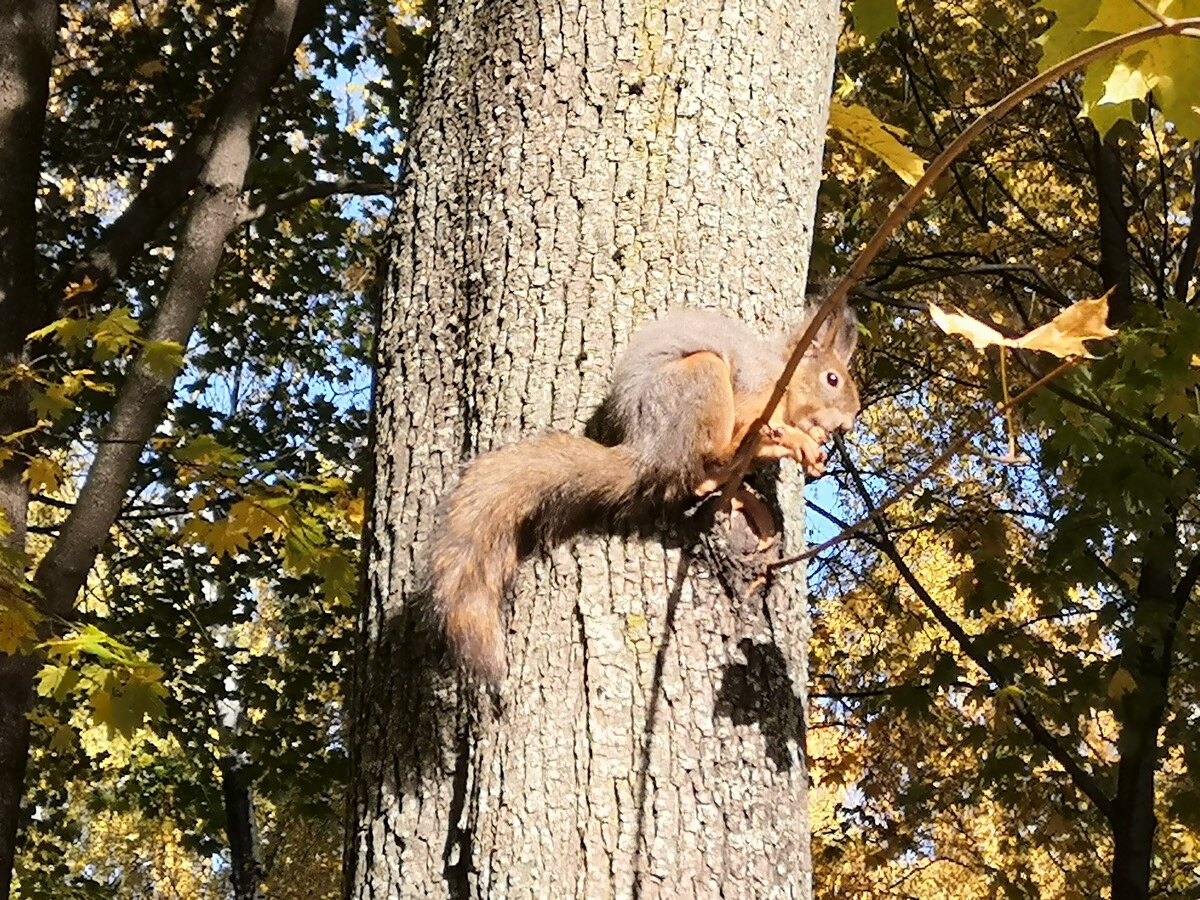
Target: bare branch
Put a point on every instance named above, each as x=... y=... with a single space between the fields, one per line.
x=941 y=460
x=1191 y=245
x=1084 y=780
x=165 y=190
x=315 y=191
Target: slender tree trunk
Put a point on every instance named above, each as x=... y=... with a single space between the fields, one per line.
x=27 y=32
x=238 y=790
x=27 y=36
x=575 y=169
x=1146 y=648
x=1146 y=652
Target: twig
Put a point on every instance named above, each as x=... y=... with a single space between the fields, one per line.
x=315 y=191
x=1189 y=27
x=928 y=470
x=1084 y=780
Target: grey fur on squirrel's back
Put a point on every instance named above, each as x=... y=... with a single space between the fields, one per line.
x=755 y=361
x=656 y=408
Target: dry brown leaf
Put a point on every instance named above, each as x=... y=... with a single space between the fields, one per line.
x=1063 y=336
x=982 y=336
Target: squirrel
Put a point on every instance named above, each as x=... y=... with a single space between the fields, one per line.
x=682 y=397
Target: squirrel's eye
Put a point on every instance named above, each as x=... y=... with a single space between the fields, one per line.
x=832 y=378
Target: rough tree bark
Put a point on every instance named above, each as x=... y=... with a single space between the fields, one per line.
x=575 y=169
x=27 y=39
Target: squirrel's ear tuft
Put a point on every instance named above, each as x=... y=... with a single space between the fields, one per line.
x=839 y=332
x=845 y=334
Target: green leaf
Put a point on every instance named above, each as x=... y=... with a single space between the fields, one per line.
x=163 y=357
x=56 y=681
x=1166 y=67
x=873 y=17
x=51 y=403
x=114 y=333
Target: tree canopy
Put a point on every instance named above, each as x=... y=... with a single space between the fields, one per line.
x=1004 y=663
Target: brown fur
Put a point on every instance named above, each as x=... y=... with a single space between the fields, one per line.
x=682 y=398
x=537 y=491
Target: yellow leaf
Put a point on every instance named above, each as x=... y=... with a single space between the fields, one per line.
x=114 y=332
x=152 y=68
x=1063 y=336
x=75 y=288
x=253 y=520
x=1122 y=683
x=120 y=18
x=44 y=473
x=226 y=539
x=1196 y=360
x=355 y=510
x=1125 y=83
x=50 y=403
x=860 y=126
x=17 y=633
x=980 y=335
x=63 y=738
x=1008 y=700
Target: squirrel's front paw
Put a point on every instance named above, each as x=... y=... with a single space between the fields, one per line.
x=809 y=452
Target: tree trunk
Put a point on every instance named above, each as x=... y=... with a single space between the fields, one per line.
x=237 y=787
x=27 y=36
x=1146 y=653
x=575 y=169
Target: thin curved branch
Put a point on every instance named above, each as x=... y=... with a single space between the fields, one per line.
x=901 y=211
x=316 y=191
x=941 y=460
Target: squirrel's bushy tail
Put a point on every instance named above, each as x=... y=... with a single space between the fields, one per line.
x=508 y=502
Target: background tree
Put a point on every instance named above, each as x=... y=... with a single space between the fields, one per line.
x=1041 y=744
x=574 y=170
x=180 y=439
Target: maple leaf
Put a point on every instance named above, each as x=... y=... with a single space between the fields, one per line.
x=254 y=520
x=860 y=126
x=980 y=335
x=1165 y=67
x=75 y=288
x=44 y=474
x=1120 y=684
x=16 y=630
x=873 y=17
x=163 y=357
x=50 y=403
x=339 y=576
x=114 y=332
x=1063 y=336
x=56 y=681
x=226 y=538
